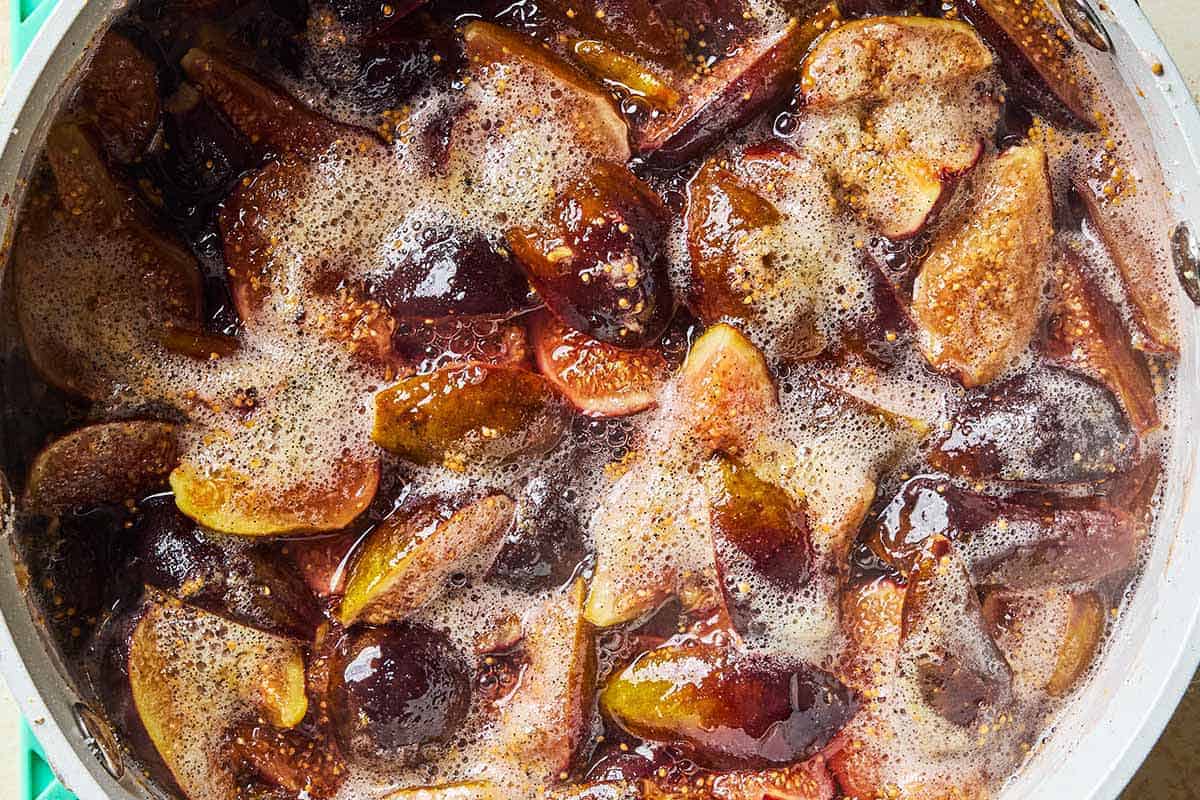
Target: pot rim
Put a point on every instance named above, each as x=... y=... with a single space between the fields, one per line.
x=34 y=674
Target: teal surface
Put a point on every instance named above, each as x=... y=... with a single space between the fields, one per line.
x=37 y=781
x=27 y=17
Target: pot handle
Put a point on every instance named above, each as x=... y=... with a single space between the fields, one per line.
x=26 y=18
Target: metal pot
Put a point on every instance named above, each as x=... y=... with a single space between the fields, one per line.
x=1099 y=740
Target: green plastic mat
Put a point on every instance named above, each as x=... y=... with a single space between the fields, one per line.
x=37 y=781
x=27 y=17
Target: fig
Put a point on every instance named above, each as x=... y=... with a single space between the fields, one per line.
x=103 y=463
x=758 y=528
x=871 y=613
x=431 y=344
x=1136 y=264
x=545 y=545
x=468 y=790
x=295 y=762
x=228 y=501
x=543 y=723
x=324 y=560
x=600 y=265
x=468 y=412
x=761 y=69
x=958 y=669
x=193 y=676
x=248 y=585
x=976 y=297
x=271 y=120
x=727 y=709
x=493 y=48
x=873 y=60
x=397 y=687
x=407 y=559
x=637 y=27
x=200 y=345
x=624 y=73
x=1037 y=57
x=1086 y=333
x=118 y=96
x=599 y=379
x=1050 y=636
x=1048 y=428
x=809 y=780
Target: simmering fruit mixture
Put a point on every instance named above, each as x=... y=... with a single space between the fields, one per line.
x=608 y=399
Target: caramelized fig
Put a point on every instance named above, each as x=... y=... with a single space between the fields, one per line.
x=600 y=266
x=976 y=297
x=727 y=709
x=872 y=617
x=430 y=344
x=407 y=559
x=809 y=780
x=636 y=26
x=1037 y=57
x=246 y=584
x=104 y=463
x=295 y=762
x=1045 y=428
x=469 y=790
x=544 y=721
x=545 y=545
x=924 y=508
x=624 y=73
x=1135 y=262
x=397 y=687
x=958 y=668
x=757 y=73
x=1086 y=333
x=226 y=500
x=1085 y=626
x=193 y=675
x=601 y=380
x=460 y=414
x=119 y=97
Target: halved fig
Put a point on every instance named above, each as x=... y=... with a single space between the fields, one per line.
x=759 y=529
x=600 y=264
x=289 y=760
x=468 y=790
x=958 y=668
x=1135 y=261
x=872 y=618
x=545 y=545
x=1049 y=635
x=723 y=387
x=756 y=74
x=200 y=345
x=96 y=286
x=601 y=380
x=809 y=780
x=407 y=559
x=1037 y=57
x=1045 y=428
x=545 y=720
x=925 y=507
x=193 y=675
x=431 y=344
x=491 y=47
x=727 y=709
x=466 y=413
x=230 y=501
x=104 y=463
x=1086 y=333
x=324 y=561
x=119 y=97
x=976 y=297
x=636 y=26
x=269 y=118
x=625 y=73
x=875 y=59
x=396 y=688
x=246 y=584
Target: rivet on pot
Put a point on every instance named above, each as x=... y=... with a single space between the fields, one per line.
x=98 y=736
x=1186 y=253
x=1086 y=24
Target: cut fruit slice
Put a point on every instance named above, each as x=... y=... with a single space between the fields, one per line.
x=545 y=720
x=975 y=300
x=600 y=264
x=727 y=709
x=106 y=463
x=1085 y=626
x=489 y=46
x=624 y=73
x=1086 y=333
x=1037 y=57
x=809 y=780
x=601 y=380
x=408 y=558
x=733 y=92
x=874 y=60
x=636 y=26
x=193 y=675
x=226 y=500
x=430 y=344
x=289 y=760
x=872 y=618
x=119 y=97
x=469 y=413
x=1136 y=263
x=1048 y=428
x=470 y=790
x=269 y=118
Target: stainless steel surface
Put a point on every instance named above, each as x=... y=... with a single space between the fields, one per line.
x=1100 y=741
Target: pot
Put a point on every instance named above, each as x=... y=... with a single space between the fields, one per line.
x=1098 y=741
